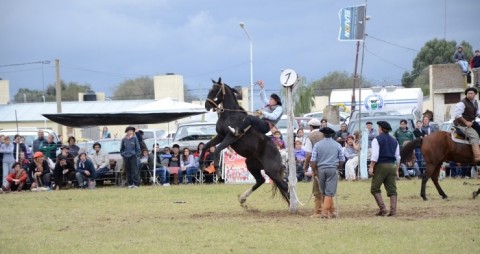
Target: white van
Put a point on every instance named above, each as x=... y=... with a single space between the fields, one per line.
x=29 y=133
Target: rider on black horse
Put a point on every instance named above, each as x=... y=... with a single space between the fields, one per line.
x=267 y=117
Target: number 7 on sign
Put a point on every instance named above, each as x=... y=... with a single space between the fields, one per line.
x=288 y=77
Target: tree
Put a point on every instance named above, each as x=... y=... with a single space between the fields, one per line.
x=135 y=89
x=69 y=92
x=434 y=52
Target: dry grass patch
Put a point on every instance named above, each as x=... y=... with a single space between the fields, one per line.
x=208 y=218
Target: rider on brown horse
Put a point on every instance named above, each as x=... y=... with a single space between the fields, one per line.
x=465 y=113
x=269 y=115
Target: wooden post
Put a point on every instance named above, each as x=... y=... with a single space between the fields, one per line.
x=292 y=170
x=58 y=94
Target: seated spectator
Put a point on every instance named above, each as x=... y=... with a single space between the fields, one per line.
x=277 y=139
x=49 y=148
x=350 y=152
x=187 y=166
x=208 y=167
x=300 y=156
x=459 y=58
x=17 y=179
x=24 y=162
x=100 y=161
x=161 y=171
x=165 y=156
x=64 y=171
x=39 y=171
x=197 y=153
x=174 y=161
x=341 y=135
x=85 y=172
x=410 y=164
x=74 y=149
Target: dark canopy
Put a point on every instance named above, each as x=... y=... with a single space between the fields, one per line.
x=94 y=119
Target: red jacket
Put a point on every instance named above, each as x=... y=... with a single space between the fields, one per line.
x=23 y=176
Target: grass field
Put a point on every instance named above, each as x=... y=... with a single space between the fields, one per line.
x=209 y=219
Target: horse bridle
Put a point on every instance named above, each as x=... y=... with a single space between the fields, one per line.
x=217 y=107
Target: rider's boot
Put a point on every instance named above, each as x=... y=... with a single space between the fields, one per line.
x=476 y=152
x=382 y=209
x=393 y=205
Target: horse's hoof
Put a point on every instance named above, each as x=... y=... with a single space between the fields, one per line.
x=445 y=197
x=424 y=198
x=242 y=201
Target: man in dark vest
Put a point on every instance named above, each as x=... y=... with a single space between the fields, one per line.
x=384 y=165
x=313 y=137
x=465 y=113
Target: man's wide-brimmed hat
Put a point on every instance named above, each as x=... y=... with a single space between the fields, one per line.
x=384 y=125
x=327 y=131
x=314 y=122
x=129 y=128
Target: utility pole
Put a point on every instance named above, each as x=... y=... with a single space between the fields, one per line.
x=58 y=93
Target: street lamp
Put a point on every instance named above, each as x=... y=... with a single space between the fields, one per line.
x=45 y=121
x=242 y=25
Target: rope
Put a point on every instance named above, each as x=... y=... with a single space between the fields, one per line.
x=296 y=196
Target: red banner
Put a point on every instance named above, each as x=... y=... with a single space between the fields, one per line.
x=235 y=170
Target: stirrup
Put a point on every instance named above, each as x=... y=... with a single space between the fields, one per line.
x=234 y=131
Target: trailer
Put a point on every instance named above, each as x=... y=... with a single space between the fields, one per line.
x=390 y=100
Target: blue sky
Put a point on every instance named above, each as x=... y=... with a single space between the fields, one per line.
x=107 y=41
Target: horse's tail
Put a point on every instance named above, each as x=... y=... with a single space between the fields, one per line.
x=408 y=148
x=281 y=185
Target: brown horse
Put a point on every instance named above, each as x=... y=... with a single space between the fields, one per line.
x=437 y=148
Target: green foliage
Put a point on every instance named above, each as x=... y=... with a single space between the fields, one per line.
x=304 y=98
x=135 y=89
x=436 y=51
x=69 y=92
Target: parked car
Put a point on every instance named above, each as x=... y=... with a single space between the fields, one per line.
x=112 y=148
x=303 y=123
x=282 y=125
x=29 y=133
x=190 y=134
x=150 y=133
x=161 y=143
x=344 y=116
x=394 y=122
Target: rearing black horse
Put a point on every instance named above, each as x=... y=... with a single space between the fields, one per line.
x=258 y=149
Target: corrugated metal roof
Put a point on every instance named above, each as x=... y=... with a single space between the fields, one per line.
x=34 y=111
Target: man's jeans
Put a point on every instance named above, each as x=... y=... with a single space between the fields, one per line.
x=101 y=172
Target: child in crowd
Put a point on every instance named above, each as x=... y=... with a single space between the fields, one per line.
x=300 y=156
x=277 y=139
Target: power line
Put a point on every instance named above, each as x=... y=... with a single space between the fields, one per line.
x=391 y=43
x=385 y=60
x=17 y=64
